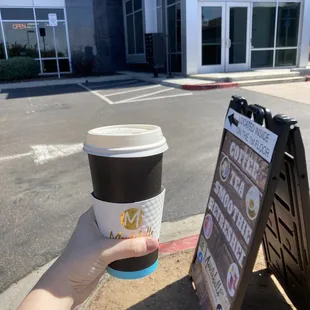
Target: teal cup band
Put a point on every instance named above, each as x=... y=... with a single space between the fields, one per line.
x=132 y=275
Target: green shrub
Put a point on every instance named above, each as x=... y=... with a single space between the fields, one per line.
x=18 y=68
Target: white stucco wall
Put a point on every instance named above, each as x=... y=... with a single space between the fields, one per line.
x=304 y=35
x=191 y=37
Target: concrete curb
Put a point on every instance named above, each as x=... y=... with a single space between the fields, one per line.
x=183 y=244
x=61 y=82
x=210 y=86
x=204 y=85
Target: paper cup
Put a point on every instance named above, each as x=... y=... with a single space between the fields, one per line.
x=128 y=198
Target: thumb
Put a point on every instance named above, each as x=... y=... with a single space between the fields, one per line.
x=120 y=249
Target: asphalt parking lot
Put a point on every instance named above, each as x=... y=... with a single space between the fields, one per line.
x=130 y=91
x=45 y=181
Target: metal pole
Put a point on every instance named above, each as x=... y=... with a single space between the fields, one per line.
x=58 y=71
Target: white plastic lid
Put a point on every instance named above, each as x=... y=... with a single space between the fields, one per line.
x=125 y=141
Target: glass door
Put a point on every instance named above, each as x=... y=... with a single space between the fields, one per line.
x=237 y=36
x=211 y=17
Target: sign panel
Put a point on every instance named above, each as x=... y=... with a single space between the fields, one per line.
x=52 y=19
x=287 y=234
x=257 y=137
x=232 y=211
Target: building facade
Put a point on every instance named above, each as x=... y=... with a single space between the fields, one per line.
x=204 y=36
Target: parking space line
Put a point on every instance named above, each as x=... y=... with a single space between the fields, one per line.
x=116 y=83
x=5 y=158
x=142 y=96
x=136 y=98
x=133 y=90
x=159 y=97
x=96 y=93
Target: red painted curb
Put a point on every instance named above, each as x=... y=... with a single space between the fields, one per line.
x=178 y=245
x=210 y=86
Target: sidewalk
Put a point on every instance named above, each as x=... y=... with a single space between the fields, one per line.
x=170 y=288
x=64 y=81
x=223 y=80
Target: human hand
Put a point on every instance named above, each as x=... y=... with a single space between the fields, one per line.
x=80 y=267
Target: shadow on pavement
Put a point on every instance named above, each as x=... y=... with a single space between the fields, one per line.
x=178 y=295
x=62 y=89
x=262 y=293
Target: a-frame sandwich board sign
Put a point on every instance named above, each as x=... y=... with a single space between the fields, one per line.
x=246 y=177
x=286 y=239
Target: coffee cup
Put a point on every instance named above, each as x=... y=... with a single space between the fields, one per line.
x=128 y=197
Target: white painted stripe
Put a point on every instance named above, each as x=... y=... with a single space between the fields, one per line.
x=145 y=95
x=116 y=83
x=6 y=158
x=44 y=153
x=97 y=94
x=133 y=90
x=160 y=97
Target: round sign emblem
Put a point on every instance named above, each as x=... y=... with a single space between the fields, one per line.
x=208 y=226
x=224 y=168
x=200 y=257
x=132 y=218
x=232 y=279
x=252 y=202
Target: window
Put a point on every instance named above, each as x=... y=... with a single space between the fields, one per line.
x=46 y=39
x=159 y=15
x=2 y=50
x=274 y=42
x=286 y=57
x=134 y=27
x=61 y=40
x=21 y=39
x=17 y=14
x=211 y=34
x=263 y=32
x=174 y=33
x=262 y=59
x=288 y=23
x=29 y=35
x=42 y=14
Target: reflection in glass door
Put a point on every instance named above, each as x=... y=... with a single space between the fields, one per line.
x=224 y=36
x=237 y=36
x=211 y=17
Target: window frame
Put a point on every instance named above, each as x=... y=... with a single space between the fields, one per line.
x=175 y=53
x=159 y=8
x=36 y=21
x=134 y=57
x=275 y=48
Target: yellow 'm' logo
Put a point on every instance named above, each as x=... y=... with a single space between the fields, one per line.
x=132 y=218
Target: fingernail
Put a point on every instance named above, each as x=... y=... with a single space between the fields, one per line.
x=152 y=244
